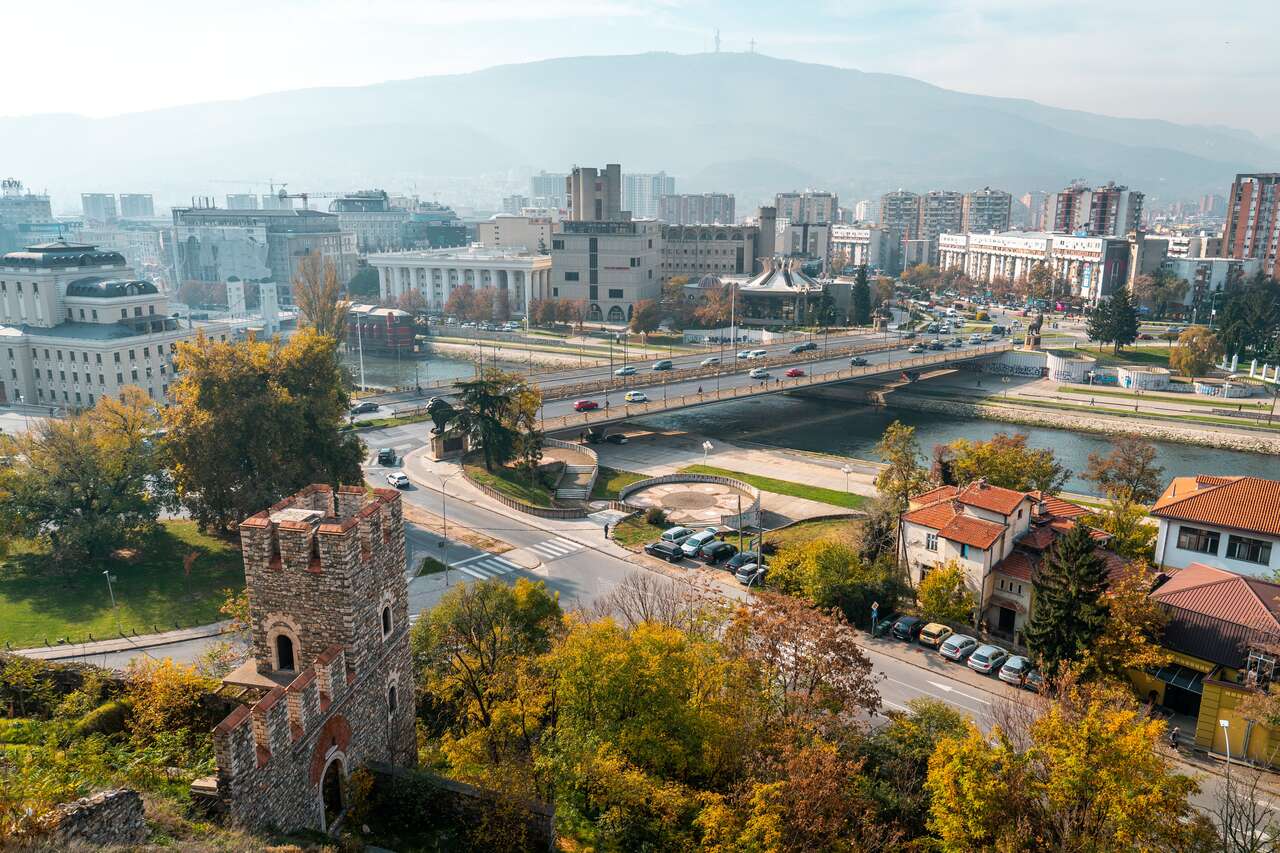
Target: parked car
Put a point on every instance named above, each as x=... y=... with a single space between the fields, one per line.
x=794 y=372
x=750 y=573
x=907 y=628
x=625 y=370
x=694 y=543
x=709 y=362
x=585 y=406
x=676 y=535
x=956 y=342
x=915 y=349
x=366 y=406
x=741 y=558
x=668 y=551
x=662 y=364
x=636 y=397
x=858 y=361
x=1034 y=681
x=975 y=338
x=1015 y=670
x=758 y=373
x=807 y=346
x=717 y=552
x=987 y=659
x=386 y=456
x=958 y=647
x=398 y=480
x=934 y=634
x=757 y=353
x=884 y=624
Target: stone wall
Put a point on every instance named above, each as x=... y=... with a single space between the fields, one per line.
x=415 y=809
x=108 y=818
x=1205 y=436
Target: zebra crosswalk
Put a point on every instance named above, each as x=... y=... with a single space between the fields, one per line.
x=554 y=549
x=484 y=566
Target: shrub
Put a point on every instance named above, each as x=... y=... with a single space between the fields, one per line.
x=657 y=516
x=982 y=316
x=166 y=696
x=109 y=718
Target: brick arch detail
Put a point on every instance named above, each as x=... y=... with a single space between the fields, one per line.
x=336 y=735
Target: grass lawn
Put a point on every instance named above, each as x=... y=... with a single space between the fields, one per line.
x=151 y=590
x=1188 y=399
x=841 y=529
x=430 y=566
x=508 y=481
x=785 y=487
x=1128 y=413
x=635 y=531
x=609 y=481
x=1150 y=356
x=378 y=423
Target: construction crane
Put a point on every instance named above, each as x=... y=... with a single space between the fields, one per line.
x=282 y=195
x=272 y=183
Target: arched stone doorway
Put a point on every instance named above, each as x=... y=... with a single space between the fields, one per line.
x=331 y=797
x=284 y=652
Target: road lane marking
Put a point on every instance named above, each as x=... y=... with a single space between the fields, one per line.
x=950 y=689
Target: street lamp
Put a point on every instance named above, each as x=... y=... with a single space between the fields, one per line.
x=112 y=593
x=1226 y=734
x=706 y=448
x=444 y=515
x=846 y=470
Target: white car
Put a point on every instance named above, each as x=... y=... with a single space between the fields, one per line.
x=746 y=353
x=710 y=362
x=757 y=353
x=398 y=479
x=759 y=373
x=693 y=544
x=627 y=370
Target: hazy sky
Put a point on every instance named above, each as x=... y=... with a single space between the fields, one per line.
x=1184 y=60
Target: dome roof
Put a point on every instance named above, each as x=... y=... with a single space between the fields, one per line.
x=61 y=253
x=108 y=288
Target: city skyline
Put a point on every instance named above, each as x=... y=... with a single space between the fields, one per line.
x=934 y=45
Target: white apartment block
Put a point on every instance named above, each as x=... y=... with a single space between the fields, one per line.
x=1230 y=523
x=808 y=207
x=76 y=325
x=436 y=273
x=1207 y=276
x=862 y=246
x=1093 y=267
x=641 y=193
x=609 y=265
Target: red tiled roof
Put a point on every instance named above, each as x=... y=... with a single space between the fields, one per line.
x=1224 y=595
x=1057 y=507
x=975 y=532
x=1018 y=564
x=934 y=495
x=935 y=515
x=992 y=498
x=1244 y=503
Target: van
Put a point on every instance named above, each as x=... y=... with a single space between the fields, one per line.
x=664 y=364
x=757 y=353
x=676 y=535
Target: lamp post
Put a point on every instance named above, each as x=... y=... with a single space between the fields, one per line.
x=706 y=448
x=1226 y=734
x=444 y=515
x=846 y=470
x=112 y=593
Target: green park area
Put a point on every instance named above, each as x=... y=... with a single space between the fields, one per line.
x=785 y=487
x=514 y=483
x=610 y=481
x=1147 y=356
x=1181 y=399
x=845 y=530
x=42 y=602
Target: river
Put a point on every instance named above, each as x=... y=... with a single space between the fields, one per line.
x=383 y=371
x=849 y=429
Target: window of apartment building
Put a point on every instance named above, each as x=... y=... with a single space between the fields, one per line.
x=62 y=374
x=593 y=276
x=635 y=262
x=133 y=355
x=134 y=374
x=571 y=276
x=48 y=374
x=1248 y=550
x=137 y=311
x=59 y=355
x=35 y=288
x=931 y=542
x=81 y=313
x=555 y=291
x=124 y=313
x=593 y=292
x=151 y=309
x=90 y=399
x=557 y=244
x=1200 y=541
x=10 y=352
x=77 y=398
x=615 y=293
x=14 y=371
x=75 y=377
x=119 y=378
x=97 y=358
x=93 y=312
x=40 y=393
x=964 y=550
x=101 y=380
x=146 y=352
x=117 y=355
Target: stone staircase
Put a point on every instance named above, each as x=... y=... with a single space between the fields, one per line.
x=576 y=480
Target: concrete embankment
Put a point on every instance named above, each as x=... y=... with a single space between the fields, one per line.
x=514 y=355
x=1205 y=436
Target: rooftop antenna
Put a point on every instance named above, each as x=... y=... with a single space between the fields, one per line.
x=717 y=39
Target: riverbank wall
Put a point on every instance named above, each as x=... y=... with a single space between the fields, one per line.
x=1100 y=424
x=513 y=355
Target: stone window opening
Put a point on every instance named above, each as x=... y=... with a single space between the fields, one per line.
x=284 y=653
x=315 y=551
x=391 y=700
x=386 y=621
x=276 y=560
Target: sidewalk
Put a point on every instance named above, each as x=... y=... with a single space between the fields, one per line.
x=125 y=644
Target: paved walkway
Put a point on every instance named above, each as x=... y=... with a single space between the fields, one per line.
x=125 y=644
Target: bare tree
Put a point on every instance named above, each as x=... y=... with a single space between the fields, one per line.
x=1245 y=813
x=318 y=294
x=686 y=604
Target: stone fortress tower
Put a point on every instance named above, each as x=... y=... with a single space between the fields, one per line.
x=330 y=668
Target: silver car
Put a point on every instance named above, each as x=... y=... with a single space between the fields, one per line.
x=1015 y=670
x=958 y=647
x=987 y=659
x=694 y=543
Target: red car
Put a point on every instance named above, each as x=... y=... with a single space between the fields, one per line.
x=795 y=371
x=585 y=405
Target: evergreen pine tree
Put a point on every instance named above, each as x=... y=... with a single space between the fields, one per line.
x=1123 y=318
x=861 y=298
x=1098 y=326
x=1070 y=611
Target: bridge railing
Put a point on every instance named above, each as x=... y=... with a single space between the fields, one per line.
x=770 y=386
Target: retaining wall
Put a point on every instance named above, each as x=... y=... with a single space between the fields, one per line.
x=749 y=516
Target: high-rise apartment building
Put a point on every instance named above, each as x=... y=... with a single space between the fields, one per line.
x=986 y=211
x=807 y=208
x=641 y=193
x=697 y=209
x=1034 y=202
x=867 y=210
x=941 y=212
x=137 y=206
x=242 y=201
x=513 y=204
x=1253 y=220
x=899 y=217
x=547 y=190
x=369 y=215
x=99 y=207
x=595 y=195
x=1105 y=211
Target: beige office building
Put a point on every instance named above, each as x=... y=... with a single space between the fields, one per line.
x=435 y=273
x=504 y=231
x=609 y=265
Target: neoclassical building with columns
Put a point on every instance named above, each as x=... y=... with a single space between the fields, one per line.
x=434 y=273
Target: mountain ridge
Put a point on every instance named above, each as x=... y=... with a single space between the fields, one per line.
x=753 y=124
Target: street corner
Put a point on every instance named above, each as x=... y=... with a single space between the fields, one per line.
x=525 y=559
